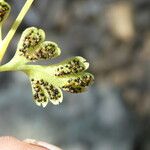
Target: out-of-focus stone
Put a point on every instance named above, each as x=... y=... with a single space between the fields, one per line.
x=119 y=17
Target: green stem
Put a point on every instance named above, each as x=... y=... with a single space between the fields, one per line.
x=16 y=66
x=6 y=67
x=0 y=32
x=9 y=36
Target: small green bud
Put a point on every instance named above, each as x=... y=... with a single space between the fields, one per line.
x=71 y=66
x=30 y=40
x=4 y=11
x=47 y=50
x=33 y=47
x=44 y=91
x=78 y=83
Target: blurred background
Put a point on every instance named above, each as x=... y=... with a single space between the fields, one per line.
x=114 y=114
